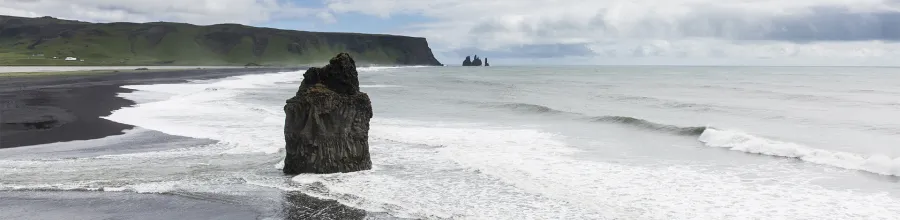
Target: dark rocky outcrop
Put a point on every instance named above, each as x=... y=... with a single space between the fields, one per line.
x=474 y=61
x=486 y=63
x=326 y=127
x=467 y=62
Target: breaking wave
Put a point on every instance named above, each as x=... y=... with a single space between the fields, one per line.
x=525 y=107
x=738 y=141
x=644 y=124
x=636 y=122
x=747 y=143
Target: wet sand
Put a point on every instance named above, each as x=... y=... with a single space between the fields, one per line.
x=65 y=107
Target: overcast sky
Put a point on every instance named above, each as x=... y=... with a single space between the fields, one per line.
x=779 y=32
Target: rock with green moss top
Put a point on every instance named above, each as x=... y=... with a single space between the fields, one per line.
x=326 y=128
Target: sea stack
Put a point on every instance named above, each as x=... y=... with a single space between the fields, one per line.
x=470 y=61
x=476 y=61
x=467 y=62
x=326 y=128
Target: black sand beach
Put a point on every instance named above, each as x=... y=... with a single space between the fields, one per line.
x=62 y=107
x=59 y=108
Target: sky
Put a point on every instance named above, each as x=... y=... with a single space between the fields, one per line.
x=538 y=32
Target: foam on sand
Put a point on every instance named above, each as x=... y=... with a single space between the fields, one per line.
x=208 y=110
x=739 y=141
x=425 y=169
x=510 y=173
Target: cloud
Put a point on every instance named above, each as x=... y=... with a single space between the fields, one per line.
x=326 y=17
x=650 y=28
x=189 y=11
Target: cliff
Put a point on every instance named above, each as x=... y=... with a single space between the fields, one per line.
x=326 y=128
x=49 y=41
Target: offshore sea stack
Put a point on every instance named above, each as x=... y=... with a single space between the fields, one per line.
x=474 y=61
x=326 y=128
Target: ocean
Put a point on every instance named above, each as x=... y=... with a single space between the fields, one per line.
x=550 y=142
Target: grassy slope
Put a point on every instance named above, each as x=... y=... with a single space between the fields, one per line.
x=131 y=44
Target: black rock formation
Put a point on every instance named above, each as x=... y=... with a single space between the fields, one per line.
x=476 y=61
x=326 y=128
x=486 y=63
x=467 y=62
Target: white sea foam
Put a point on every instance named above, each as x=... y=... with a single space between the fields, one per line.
x=208 y=110
x=739 y=141
x=506 y=173
x=429 y=169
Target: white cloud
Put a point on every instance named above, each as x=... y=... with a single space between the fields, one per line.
x=190 y=11
x=326 y=16
x=653 y=28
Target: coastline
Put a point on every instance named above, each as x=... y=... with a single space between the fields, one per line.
x=59 y=107
x=77 y=101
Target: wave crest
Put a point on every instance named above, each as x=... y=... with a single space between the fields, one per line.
x=625 y=120
x=641 y=123
x=738 y=141
x=528 y=108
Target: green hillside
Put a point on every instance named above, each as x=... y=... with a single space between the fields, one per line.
x=36 y=41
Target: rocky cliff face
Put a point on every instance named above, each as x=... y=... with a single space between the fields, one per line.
x=163 y=43
x=326 y=127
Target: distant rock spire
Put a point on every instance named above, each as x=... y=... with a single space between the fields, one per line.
x=474 y=61
x=467 y=62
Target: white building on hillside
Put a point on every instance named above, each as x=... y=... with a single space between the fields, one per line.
x=71 y=59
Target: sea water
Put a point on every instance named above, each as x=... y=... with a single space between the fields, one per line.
x=523 y=143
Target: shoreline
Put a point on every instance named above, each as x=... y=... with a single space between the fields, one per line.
x=60 y=107
x=44 y=68
x=77 y=102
